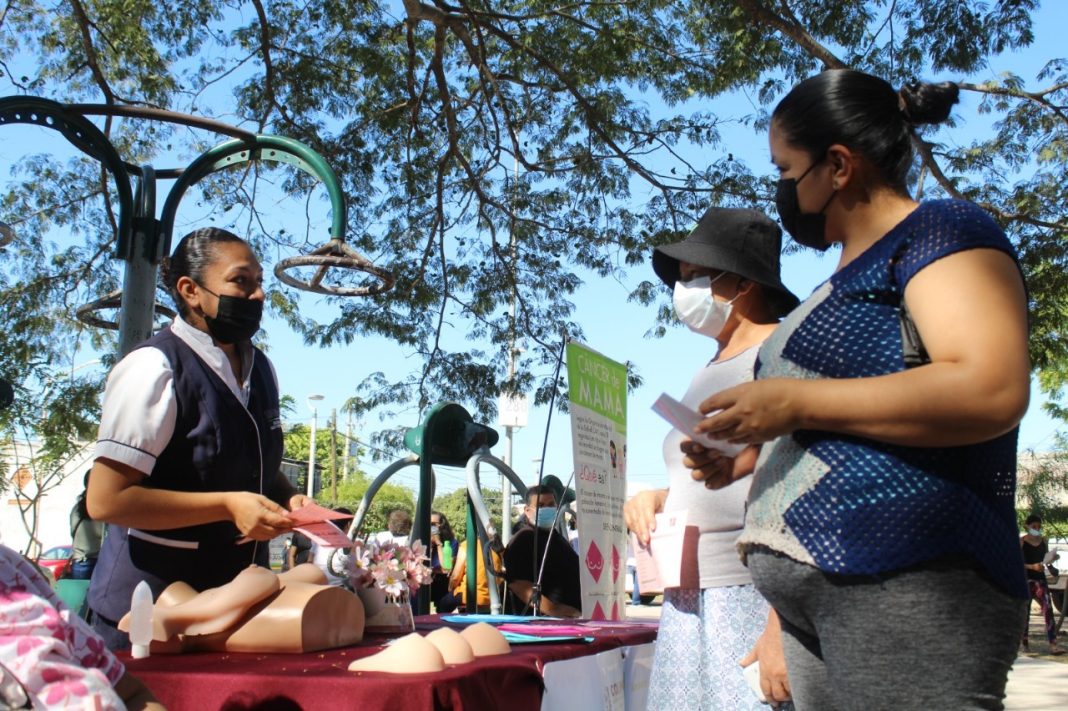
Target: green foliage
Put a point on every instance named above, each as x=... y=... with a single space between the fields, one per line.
x=388 y=498
x=1042 y=483
x=297 y=447
x=426 y=109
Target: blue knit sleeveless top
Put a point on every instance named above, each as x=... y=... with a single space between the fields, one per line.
x=854 y=506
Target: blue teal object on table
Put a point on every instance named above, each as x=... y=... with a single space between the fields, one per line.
x=492 y=619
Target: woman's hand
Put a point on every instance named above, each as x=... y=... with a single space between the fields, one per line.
x=257 y=517
x=714 y=468
x=753 y=412
x=768 y=651
x=641 y=510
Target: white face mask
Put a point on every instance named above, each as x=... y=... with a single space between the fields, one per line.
x=1035 y=531
x=698 y=309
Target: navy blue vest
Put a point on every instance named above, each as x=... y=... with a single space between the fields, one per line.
x=218 y=445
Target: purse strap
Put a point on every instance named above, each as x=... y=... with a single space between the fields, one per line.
x=913 y=351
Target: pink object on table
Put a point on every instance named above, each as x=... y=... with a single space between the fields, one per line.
x=551 y=630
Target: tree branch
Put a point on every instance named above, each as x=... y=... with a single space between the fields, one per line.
x=268 y=69
x=1037 y=97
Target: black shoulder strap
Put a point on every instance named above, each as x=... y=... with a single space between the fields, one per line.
x=912 y=348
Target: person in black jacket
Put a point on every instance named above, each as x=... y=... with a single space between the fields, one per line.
x=560 y=594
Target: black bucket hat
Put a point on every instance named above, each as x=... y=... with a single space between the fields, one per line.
x=740 y=241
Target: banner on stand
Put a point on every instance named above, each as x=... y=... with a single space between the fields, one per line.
x=598 y=394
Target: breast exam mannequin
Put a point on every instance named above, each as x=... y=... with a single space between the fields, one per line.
x=258 y=611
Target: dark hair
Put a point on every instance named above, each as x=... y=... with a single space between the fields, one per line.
x=399 y=522
x=193 y=255
x=83 y=508
x=444 y=529
x=865 y=114
x=1034 y=518
x=536 y=492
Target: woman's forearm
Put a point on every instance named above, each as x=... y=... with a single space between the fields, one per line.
x=971 y=311
x=160 y=509
x=940 y=404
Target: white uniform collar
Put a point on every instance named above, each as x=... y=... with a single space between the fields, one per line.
x=204 y=346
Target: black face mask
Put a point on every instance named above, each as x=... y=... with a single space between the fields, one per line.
x=237 y=319
x=808 y=229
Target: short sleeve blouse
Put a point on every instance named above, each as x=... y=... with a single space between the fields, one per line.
x=856 y=506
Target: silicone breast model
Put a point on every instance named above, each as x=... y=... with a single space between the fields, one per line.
x=485 y=640
x=452 y=645
x=411 y=654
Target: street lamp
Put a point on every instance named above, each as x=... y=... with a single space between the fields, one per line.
x=312 y=399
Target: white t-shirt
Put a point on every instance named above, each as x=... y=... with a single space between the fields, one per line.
x=383 y=537
x=718 y=514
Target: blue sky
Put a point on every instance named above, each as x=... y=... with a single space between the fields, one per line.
x=613 y=326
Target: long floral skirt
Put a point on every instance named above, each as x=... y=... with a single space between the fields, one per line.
x=703 y=634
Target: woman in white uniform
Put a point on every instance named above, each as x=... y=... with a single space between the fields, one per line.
x=187 y=469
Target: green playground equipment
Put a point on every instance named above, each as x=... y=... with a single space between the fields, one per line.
x=449 y=436
x=142 y=239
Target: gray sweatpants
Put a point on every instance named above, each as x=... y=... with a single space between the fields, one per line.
x=938 y=636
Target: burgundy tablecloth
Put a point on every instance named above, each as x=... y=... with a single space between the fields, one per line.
x=320 y=680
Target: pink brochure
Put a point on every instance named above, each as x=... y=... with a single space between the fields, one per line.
x=556 y=630
x=325 y=534
x=313 y=521
x=685 y=419
x=313 y=513
x=670 y=559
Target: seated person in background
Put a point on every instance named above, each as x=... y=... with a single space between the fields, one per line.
x=298 y=551
x=458 y=581
x=565 y=495
x=443 y=547
x=51 y=659
x=398 y=528
x=560 y=592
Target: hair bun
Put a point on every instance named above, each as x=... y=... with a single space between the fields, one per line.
x=928 y=103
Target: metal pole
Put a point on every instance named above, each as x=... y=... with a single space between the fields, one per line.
x=311 y=456
x=506 y=489
x=138 y=300
x=333 y=455
x=506 y=485
x=138 y=306
x=348 y=445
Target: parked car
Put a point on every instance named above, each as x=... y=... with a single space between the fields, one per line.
x=56 y=560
